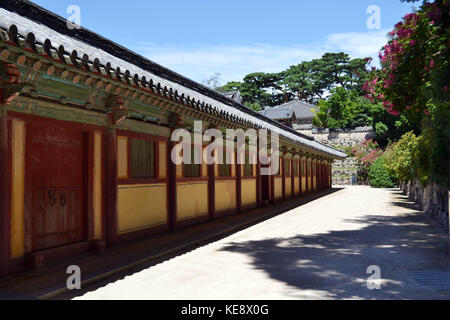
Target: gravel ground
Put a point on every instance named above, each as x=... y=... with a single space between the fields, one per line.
x=321 y=250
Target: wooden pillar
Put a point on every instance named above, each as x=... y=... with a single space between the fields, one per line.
x=272 y=186
x=211 y=188
x=258 y=178
x=307 y=167
x=320 y=175
x=4 y=192
x=325 y=186
x=171 y=186
x=329 y=175
x=111 y=186
x=317 y=176
x=293 y=162
x=300 y=161
x=283 y=176
x=330 y=170
x=238 y=183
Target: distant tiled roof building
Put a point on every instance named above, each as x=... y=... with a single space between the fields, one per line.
x=236 y=96
x=292 y=113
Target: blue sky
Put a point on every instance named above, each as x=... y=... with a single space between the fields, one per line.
x=198 y=38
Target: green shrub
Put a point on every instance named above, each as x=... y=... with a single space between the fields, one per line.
x=379 y=176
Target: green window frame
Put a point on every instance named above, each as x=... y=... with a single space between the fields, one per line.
x=224 y=167
x=142 y=159
x=280 y=164
x=295 y=167
x=287 y=167
x=192 y=170
x=302 y=167
x=248 y=167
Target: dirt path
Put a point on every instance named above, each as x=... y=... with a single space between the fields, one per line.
x=317 y=251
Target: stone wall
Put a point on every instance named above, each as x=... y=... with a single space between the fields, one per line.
x=433 y=200
x=344 y=171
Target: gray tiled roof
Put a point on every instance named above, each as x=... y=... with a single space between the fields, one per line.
x=278 y=113
x=45 y=25
x=302 y=109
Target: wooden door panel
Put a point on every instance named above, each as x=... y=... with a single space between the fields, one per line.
x=57 y=178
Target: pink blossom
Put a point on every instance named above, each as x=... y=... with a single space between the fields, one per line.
x=445 y=88
x=426 y=112
x=432 y=64
x=394 y=112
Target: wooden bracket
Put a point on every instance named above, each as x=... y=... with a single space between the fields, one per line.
x=10 y=85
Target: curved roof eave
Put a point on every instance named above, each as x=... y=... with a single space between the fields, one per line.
x=29 y=17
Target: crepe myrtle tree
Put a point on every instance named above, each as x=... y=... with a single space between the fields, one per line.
x=413 y=80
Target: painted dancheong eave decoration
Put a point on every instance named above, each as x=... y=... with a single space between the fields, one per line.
x=86 y=126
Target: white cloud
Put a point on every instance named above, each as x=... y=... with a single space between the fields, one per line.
x=358 y=44
x=233 y=62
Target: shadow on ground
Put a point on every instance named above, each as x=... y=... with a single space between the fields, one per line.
x=285 y=207
x=337 y=261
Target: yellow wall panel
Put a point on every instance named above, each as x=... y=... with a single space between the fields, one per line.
x=162 y=159
x=18 y=176
x=141 y=206
x=248 y=196
x=97 y=189
x=225 y=195
x=192 y=200
x=278 y=184
x=296 y=185
x=288 y=186
x=303 y=184
x=122 y=157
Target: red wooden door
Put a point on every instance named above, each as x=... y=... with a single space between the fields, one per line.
x=57 y=183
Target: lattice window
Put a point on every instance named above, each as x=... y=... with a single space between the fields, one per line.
x=142 y=159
